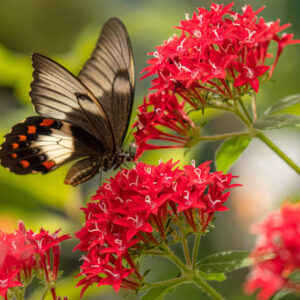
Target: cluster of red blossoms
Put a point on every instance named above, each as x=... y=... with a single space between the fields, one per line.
x=132 y=212
x=25 y=254
x=277 y=253
x=219 y=55
x=169 y=113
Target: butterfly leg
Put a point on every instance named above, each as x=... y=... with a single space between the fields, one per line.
x=100 y=177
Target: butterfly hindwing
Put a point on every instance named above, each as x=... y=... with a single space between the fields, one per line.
x=109 y=75
x=54 y=93
x=41 y=144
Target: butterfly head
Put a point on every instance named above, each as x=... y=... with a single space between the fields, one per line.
x=123 y=156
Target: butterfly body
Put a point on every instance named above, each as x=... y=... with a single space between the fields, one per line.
x=84 y=117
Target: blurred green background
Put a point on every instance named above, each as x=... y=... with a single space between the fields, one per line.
x=66 y=30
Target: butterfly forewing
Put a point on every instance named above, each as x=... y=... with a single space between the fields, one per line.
x=40 y=144
x=109 y=75
x=56 y=93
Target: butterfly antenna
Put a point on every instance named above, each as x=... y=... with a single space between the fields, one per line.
x=130 y=144
x=126 y=165
x=128 y=136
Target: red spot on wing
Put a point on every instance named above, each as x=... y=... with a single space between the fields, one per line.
x=14 y=155
x=31 y=129
x=15 y=146
x=47 y=122
x=22 y=138
x=48 y=164
x=24 y=163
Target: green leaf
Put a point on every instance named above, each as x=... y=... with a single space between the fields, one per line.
x=158 y=293
x=229 y=152
x=283 y=103
x=295 y=276
x=147 y=272
x=277 y=121
x=213 y=276
x=224 y=262
x=282 y=294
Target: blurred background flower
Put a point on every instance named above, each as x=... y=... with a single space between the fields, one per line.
x=67 y=32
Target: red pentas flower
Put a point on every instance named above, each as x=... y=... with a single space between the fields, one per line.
x=276 y=254
x=24 y=252
x=249 y=72
x=219 y=55
x=211 y=42
x=158 y=112
x=135 y=210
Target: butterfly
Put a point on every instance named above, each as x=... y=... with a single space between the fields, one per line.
x=84 y=117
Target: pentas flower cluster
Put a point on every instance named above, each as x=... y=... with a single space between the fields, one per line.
x=217 y=48
x=277 y=253
x=169 y=113
x=219 y=55
x=135 y=211
x=25 y=254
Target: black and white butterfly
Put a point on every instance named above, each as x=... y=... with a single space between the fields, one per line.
x=80 y=117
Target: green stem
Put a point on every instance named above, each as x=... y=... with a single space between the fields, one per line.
x=203 y=285
x=192 y=278
x=19 y=293
x=45 y=293
x=185 y=248
x=170 y=282
x=246 y=119
x=153 y=252
x=254 y=106
x=260 y=135
x=195 y=249
x=188 y=275
x=221 y=106
x=172 y=257
x=243 y=118
x=224 y=136
x=245 y=110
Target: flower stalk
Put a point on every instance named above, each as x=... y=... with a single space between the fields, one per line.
x=205 y=287
x=260 y=135
x=189 y=272
x=168 y=253
x=196 y=249
x=252 y=133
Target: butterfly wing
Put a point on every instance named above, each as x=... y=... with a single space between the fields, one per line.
x=40 y=144
x=109 y=75
x=56 y=93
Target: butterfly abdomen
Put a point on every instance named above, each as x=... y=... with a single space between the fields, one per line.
x=82 y=171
